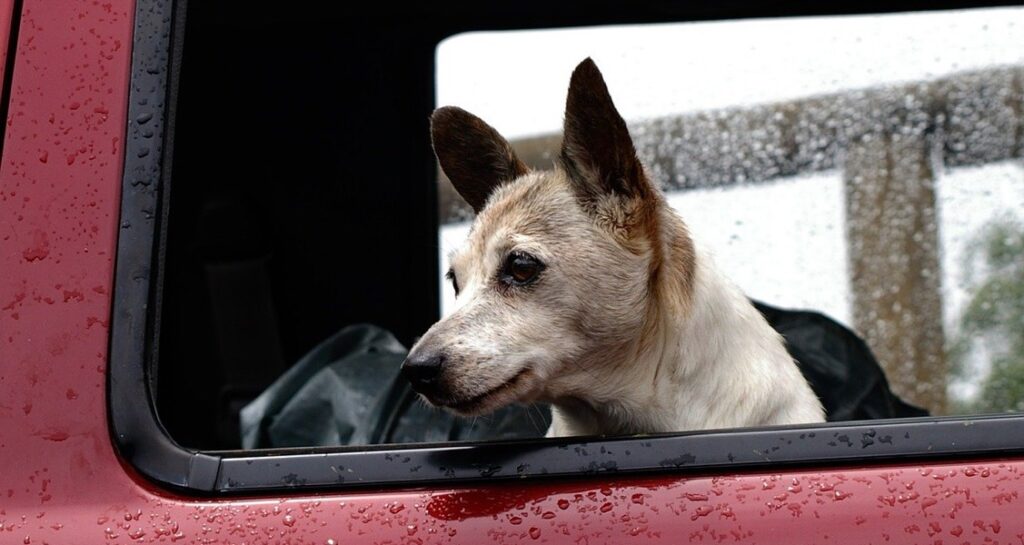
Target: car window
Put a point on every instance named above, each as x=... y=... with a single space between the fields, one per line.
x=285 y=232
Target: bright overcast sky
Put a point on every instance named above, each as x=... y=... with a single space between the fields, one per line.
x=657 y=69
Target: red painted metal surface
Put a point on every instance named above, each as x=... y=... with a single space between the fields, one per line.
x=62 y=482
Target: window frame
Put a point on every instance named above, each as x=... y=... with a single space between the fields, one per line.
x=144 y=443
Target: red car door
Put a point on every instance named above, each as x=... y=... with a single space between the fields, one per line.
x=68 y=135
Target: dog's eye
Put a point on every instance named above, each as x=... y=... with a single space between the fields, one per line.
x=450 y=275
x=520 y=269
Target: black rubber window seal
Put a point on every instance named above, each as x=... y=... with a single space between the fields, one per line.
x=12 y=55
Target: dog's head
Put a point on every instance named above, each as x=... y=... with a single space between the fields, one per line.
x=555 y=282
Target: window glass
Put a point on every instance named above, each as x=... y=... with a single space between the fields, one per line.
x=865 y=167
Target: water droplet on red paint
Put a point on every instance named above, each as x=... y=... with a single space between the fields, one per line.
x=515 y=520
x=56 y=436
x=701 y=511
x=289 y=521
x=40 y=247
x=535 y=533
x=563 y=504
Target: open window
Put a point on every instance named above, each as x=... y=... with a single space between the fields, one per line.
x=279 y=186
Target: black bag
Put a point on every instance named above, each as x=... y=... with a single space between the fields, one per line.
x=838 y=365
x=348 y=391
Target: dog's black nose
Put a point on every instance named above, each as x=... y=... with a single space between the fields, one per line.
x=422 y=371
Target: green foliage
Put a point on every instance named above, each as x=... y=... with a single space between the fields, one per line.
x=994 y=320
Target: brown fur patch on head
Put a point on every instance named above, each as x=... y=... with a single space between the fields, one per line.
x=533 y=206
x=472 y=154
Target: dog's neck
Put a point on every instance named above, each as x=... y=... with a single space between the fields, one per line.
x=707 y=359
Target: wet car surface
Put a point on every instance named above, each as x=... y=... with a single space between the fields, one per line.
x=62 y=480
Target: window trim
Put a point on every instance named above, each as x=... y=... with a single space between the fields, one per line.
x=144 y=443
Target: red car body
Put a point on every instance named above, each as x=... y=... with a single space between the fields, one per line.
x=63 y=481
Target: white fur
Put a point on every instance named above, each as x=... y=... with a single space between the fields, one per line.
x=721 y=367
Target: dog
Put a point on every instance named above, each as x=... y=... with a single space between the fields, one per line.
x=580 y=287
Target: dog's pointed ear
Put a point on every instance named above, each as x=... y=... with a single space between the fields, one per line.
x=597 y=151
x=472 y=154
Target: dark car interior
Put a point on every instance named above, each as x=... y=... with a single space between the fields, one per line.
x=304 y=193
x=301 y=202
